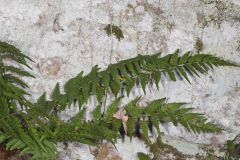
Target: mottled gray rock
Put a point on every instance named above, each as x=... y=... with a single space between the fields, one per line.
x=65 y=37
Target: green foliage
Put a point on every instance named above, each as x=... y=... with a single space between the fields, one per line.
x=233 y=149
x=17 y=131
x=142 y=156
x=35 y=128
x=158 y=111
x=12 y=87
x=91 y=133
x=142 y=119
x=115 y=30
x=121 y=77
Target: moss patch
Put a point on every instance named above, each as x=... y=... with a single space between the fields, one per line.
x=115 y=30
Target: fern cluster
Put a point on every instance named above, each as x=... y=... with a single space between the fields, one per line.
x=35 y=128
x=17 y=130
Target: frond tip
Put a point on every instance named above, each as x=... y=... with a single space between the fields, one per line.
x=160 y=112
x=182 y=67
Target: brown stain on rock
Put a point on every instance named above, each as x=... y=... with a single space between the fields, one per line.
x=106 y=152
x=51 y=67
x=41 y=20
x=201 y=20
x=198 y=45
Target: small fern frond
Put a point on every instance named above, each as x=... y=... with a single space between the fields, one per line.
x=91 y=133
x=192 y=122
x=160 y=112
x=140 y=123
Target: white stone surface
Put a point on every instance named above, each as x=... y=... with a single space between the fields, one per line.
x=65 y=37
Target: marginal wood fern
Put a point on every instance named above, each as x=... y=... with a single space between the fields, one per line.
x=36 y=128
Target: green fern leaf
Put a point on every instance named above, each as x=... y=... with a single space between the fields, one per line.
x=144 y=128
x=56 y=93
x=115 y=88
x=112 y=109
x=174 y=58
x=128 y=86
x=156 y=76
x=97 y=113
x=130 y=126
x=144 y=80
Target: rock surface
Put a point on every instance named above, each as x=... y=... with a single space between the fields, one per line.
x=65 y=37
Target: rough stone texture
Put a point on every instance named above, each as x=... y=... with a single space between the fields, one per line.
x=106 y=152
x=65 y=37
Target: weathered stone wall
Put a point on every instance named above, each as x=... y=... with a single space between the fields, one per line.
x=65 y=37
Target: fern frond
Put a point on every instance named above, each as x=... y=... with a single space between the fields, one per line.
x=141 y=121
x=91 y=133
x=18 y=130
x=192 y=122
x=160 y=112
x=139 y=71
x=173 y=112
x=176 y=66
